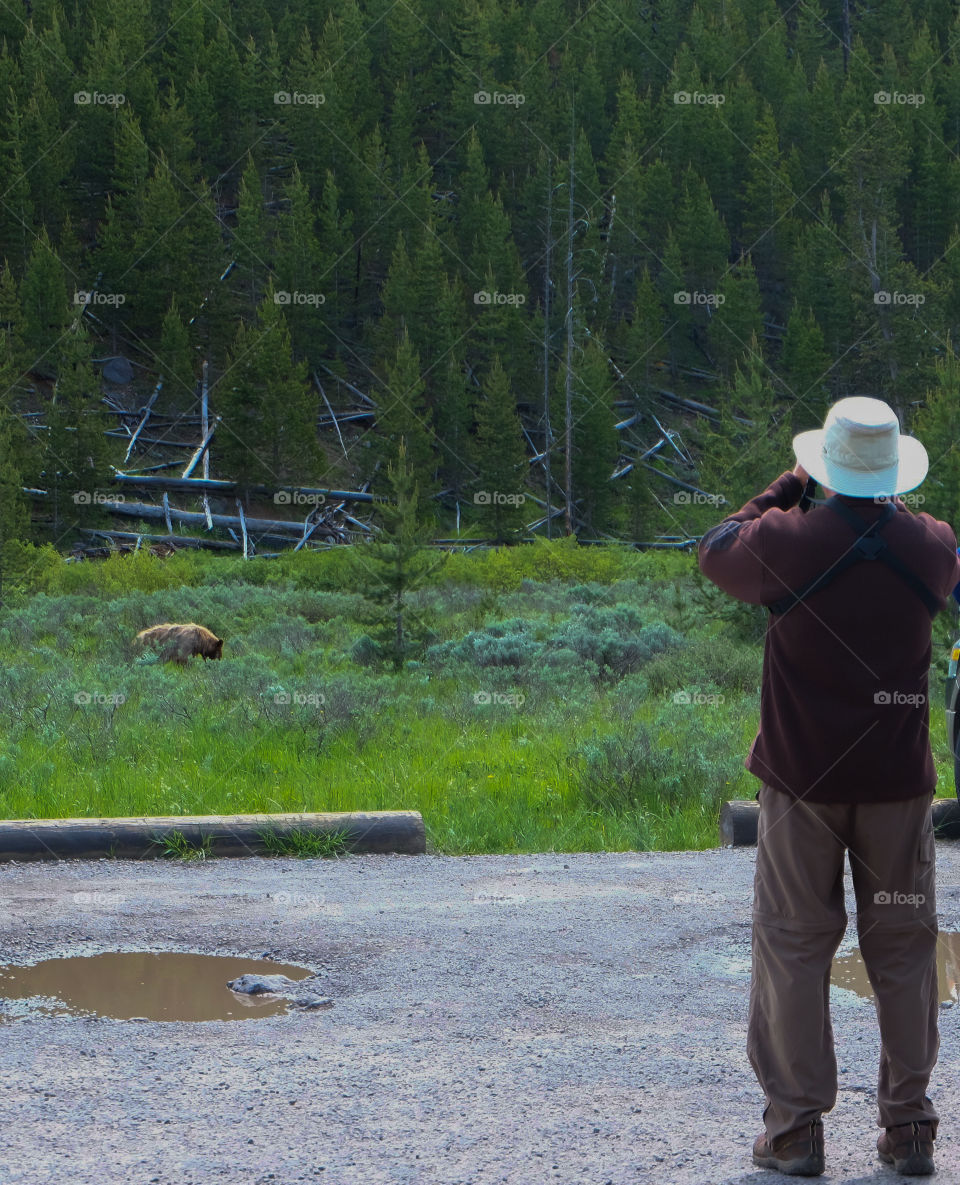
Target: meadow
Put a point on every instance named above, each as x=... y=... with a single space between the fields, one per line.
x=566 y=698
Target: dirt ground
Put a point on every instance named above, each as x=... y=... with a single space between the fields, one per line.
x=521 y=1019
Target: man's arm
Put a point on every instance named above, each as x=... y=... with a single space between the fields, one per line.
x=731 y=553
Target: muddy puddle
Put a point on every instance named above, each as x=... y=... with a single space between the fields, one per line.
x=850 y=972
x=136 y=985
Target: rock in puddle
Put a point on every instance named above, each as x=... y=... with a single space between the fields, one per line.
x=301 y=993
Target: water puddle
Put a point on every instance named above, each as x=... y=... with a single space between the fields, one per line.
x=136 y=985
x=850 y=972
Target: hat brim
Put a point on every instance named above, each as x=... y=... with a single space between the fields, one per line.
x=907 y=474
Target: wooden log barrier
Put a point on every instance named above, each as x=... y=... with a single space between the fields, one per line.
x=228 y=835
x=739 y=818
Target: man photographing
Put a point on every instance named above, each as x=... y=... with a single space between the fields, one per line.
x=843 y=756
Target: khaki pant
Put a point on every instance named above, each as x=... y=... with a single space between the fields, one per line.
x=799 y=919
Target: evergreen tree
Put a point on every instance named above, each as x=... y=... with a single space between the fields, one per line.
x=46 y=308
x=737 y=317
x=75 y=454
x=741 y=458
x=14 y=509
x=299 y=270
x=937 y=425
x=403 y=414
x=252 y=252
x=177 y=360
x=500 y=457
x=389 y=570
x=268 y=430
x=14 y=358
x=805 y=369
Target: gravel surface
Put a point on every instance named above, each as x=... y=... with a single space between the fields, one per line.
x=547 y=1018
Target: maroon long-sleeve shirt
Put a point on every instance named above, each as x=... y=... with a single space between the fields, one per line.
x=844 y=711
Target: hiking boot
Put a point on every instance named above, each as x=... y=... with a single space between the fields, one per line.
x=909 y=1148
x=797 y=1154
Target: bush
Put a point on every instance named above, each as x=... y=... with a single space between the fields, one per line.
x=614 y=638
x=618 y=772
x=716 y=660
x=365 y=651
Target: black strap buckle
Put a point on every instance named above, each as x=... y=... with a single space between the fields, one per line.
x=870 y=546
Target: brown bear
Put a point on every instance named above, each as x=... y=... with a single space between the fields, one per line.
x=177 y=643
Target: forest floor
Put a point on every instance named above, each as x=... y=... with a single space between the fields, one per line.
x=523 y=1019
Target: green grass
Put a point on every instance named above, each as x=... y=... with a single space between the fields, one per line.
x=596 y=756
x=298 y=842
x=176 y=845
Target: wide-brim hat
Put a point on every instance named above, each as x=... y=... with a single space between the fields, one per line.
x=861 y=452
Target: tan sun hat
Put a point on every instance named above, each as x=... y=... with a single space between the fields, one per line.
x=861 y=452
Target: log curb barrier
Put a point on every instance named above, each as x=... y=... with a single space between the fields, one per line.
x=739 y=818
x=141 y=838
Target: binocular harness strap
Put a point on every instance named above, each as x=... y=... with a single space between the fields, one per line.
x=869 y=546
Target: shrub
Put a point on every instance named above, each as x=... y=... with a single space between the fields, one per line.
x=716 y=660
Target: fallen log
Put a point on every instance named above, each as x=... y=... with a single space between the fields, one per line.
x=229 y=487
x=740 y=816
x=228 y=835
x=173 y=540
x=197 y=519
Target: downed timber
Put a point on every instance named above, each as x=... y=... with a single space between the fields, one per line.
x=173 y=540
x=204 y=426
x=739 y=818
x=350 y=387
x=152 y=439
x=202 y=448
x=701 y=409
x=256 y=526
x=146 y=416
x=316 y=379
x=154 y=468
x=215 y=484
x=685 y=485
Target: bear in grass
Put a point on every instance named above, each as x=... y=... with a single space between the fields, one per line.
x=177 y=643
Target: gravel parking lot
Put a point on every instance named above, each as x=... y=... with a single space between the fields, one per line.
x=548 y=1018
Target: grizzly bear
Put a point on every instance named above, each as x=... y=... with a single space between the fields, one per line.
x=177 y=643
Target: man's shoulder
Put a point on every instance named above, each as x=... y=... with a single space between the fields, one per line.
x=937 y=535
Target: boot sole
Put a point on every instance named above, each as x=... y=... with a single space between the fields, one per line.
x=804 y=1166
x=914 y=1165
